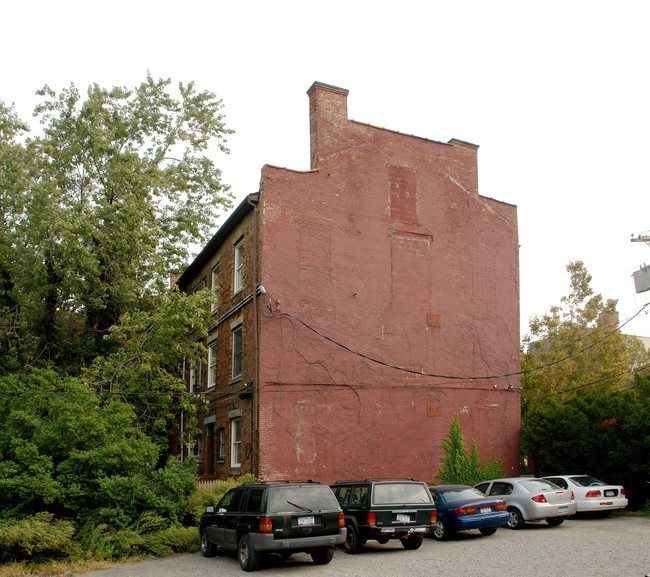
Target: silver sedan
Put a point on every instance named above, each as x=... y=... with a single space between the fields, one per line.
x=531 y=499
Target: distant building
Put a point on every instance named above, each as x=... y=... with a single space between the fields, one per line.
x=363 y=304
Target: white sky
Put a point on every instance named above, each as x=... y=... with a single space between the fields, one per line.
x=555 y=93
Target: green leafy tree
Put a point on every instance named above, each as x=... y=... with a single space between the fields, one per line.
x=462 y=468
x=577 y=344
x=99 y=210
x=605 y=433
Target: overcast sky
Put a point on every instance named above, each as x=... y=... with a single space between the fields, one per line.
x=556 y=94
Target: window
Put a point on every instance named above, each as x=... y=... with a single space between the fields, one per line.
x=221 y=445
x=215 y=287
x=212 y=364
x=235 y=443
x=199 y=376
x=238 y=282
x=236 y=352
x=192 y=379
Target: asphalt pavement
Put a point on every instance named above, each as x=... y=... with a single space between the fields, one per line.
x=611 y=547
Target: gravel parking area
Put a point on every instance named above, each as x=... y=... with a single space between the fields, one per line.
x=612 y=547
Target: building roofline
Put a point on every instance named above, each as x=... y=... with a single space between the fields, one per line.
x=217 y=240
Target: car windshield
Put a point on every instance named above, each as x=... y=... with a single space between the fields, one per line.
x=292 y=499
x=534 y=485
x=402 y=493
x=587 y=481
x=461 y=494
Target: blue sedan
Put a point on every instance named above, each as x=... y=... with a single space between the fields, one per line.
x=461 y=507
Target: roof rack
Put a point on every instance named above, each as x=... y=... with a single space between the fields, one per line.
x=377 y=479
x=280 y=481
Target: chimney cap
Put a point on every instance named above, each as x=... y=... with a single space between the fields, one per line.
x=328 y=87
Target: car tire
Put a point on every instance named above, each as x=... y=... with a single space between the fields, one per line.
x=323 y=555
x=516 y=520
x=412 y=542
x=249 y=559
x=488 y=531
x=555 y=521
x=353 y=541
x=208 y=548
x=440 y=531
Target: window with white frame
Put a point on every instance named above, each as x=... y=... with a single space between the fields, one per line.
x=238 y=282
x=199 y=448
x=215 y=287
x=212 y=364
x=235 y=442
x=236 y=352
x=192 y=379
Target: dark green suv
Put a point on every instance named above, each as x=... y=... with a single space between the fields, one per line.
x=385 y=509
x=274 y=517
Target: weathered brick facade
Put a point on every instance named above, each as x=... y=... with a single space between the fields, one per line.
x=390 y=306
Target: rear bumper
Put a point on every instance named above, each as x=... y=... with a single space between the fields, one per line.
x=467 y=522
x=393 y=532
x=268 y=543
x=604 y=504
x=536 y=511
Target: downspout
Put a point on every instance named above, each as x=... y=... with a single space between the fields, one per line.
x=255 y=406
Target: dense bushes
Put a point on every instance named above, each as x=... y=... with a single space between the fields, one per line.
x=602 y=433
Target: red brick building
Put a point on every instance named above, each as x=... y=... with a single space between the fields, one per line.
x=363 y=304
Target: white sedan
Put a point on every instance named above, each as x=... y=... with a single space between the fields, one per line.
x=592 y=495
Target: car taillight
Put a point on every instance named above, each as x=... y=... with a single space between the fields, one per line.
x=622 y=492
x=434 y=516
x=266 y=525
x=595 y=493
x=372 y=519
x=573 y=497
x=500 y=506
x=539 y=499
x=465 y=510
x=341 y=520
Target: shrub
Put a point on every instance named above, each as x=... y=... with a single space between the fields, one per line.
x=202 y=498
x=37 y=536
x=459 y=467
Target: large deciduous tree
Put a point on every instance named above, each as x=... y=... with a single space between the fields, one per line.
x=578 y=344
x=99 y=209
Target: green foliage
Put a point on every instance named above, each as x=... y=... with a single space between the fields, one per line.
x=99 y=210
x=463 y=468
x=577 y=345
x=202 y=499
x=605 y=433
x=38 y=536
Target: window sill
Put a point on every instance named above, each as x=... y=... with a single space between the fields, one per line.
x=235 y=380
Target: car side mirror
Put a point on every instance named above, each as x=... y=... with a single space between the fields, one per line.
x=221 y=510
x=209 y=509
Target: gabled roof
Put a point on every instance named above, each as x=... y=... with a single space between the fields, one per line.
x=217 y=240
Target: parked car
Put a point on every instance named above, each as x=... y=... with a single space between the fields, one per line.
x=461 y=508
x=283 y=517
x=531 y=499
x=381 y=510
x=592 y=495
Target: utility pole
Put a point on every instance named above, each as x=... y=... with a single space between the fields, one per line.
x=642 y=276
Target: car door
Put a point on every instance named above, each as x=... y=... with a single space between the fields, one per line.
x=232 y=518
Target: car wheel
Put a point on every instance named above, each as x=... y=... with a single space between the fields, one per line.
x=488 y=530
x=249 y=559
x=353 y=542
x=440 y=531
x=555 y=521
x=412 y=542
x=516 y=520
x=208 y=549
x=322 y=556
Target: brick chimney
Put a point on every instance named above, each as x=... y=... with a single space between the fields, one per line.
x=328 y=115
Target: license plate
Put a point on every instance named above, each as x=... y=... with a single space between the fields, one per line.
x=610 y=493
x=563 y=509
x=486 y=510
x=305 y=521
x=403 y=518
